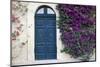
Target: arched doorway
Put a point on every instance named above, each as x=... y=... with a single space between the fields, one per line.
x=45 y=33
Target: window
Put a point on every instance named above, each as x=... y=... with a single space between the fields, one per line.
x=45 y=10
x=40 y=11
x=50 y=11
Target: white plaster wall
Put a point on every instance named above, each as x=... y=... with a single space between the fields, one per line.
x=20 y=52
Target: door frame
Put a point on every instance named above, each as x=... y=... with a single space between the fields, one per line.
x=35 y=30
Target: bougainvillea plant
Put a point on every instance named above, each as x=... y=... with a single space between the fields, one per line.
x=77 y=24
x=19 y=11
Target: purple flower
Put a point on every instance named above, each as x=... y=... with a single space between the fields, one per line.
x=77 y=27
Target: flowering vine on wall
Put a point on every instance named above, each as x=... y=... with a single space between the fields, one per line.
x=19 y=10
x=77 y=24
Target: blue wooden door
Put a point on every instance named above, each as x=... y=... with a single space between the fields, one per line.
x=45 y=35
